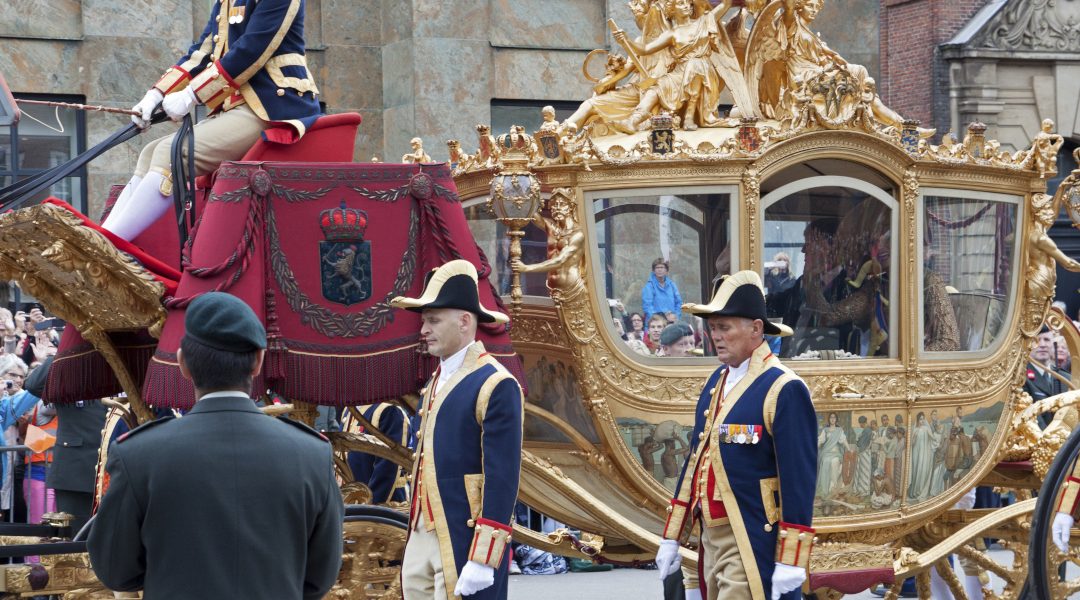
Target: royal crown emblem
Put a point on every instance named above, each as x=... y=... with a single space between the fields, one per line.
x=343 y=223
x=344 y=256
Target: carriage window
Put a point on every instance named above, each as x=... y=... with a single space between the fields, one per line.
x=828 y=257
x=968 y=255
x=657 y=252
x=492 y=240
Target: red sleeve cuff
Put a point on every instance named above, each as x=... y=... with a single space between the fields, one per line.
x=676 y=519
x=793 y=544
x=490 y=539
x=175 y=78
x=213 y=86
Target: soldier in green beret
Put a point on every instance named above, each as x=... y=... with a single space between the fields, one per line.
x=224 y=502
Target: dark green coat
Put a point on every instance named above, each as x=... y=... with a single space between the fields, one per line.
x=75 y=455
x=224 y=502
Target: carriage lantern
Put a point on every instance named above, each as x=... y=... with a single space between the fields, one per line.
x=1070 y=192
x=515 y=198
x=1072 y=203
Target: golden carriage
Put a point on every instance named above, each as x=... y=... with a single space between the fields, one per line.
x=929 y=273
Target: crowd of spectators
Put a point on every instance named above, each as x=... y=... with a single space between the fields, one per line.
x=660 y=328
x=29 y=423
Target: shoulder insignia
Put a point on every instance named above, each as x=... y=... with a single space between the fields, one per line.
x=144 y=427
x=303 y=427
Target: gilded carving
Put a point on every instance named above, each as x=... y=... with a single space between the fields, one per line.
x=77 y=272
x=751 y=196
x=565 y=264
x=844 y=556
x=370 y=566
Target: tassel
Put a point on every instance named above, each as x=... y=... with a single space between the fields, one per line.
x=274 y=367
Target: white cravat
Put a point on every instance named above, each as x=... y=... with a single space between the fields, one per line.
x=449 y=366
x=735 y=375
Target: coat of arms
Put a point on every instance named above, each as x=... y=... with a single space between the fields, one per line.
x=662 y=134
x=548 y=140
x=344 y=256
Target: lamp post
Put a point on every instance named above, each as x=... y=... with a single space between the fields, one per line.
x=514 y=199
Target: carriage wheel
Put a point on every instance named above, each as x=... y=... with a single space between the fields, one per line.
x=1046 y=560
x=374 y=548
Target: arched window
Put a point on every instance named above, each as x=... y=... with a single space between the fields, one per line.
x=830 y=252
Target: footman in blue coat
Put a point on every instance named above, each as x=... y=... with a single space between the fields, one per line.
x=749 y=479
x=468 y=458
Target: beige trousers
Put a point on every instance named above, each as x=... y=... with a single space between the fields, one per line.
x=422 y=569
x=725 y=577
x=226 y=136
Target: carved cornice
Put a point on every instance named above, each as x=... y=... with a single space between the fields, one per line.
x=1032 y=26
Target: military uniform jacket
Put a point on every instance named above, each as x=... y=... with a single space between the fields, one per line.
x=767 y=487
x=468 y=465
x=224 y=502
x=251 y=52
x=1041 y=386
x=78 y=438
x=382 y=476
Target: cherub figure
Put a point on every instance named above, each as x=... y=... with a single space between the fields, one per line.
x=418 y=155
x=1042 y=156
x=1044 y=251
x=549 y=124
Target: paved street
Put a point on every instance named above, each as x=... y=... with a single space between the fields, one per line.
x=634 y=584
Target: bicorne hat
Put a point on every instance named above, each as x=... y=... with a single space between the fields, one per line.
x=739 y=295
x=453 y=285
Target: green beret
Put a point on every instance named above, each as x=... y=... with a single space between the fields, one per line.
x=675 y=332
x=224 y=322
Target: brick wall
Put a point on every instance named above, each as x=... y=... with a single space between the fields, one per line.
x=914 y=79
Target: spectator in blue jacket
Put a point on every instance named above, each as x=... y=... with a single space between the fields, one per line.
x=14 y=403
x=660 y=294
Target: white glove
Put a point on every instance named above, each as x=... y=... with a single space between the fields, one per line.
x=785 y=579
x=474 y=577
x=145 y=107
x=1059 y=531
x=667 y=558
x=178 y=104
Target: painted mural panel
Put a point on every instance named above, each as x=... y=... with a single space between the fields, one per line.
x=945 y=445
x=553 y=386
x=864 y=455
x=661 y=447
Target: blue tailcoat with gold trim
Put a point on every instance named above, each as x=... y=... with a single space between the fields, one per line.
x=254 y=50
x=468 y=465
x=382 y=476
x=767 y=488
